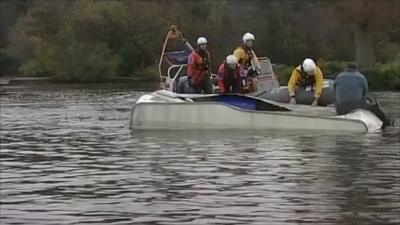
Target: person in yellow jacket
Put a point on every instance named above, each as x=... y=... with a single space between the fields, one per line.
x=305 y=75
x=248 y=62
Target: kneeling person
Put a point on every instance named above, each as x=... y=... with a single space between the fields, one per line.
x=351 y=90
x=229 y=76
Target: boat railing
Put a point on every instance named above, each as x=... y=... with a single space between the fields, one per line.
x=267 y=80
x=168 y=80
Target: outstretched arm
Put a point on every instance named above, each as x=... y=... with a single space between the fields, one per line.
x=294 y=78
x=221 y=79
x=319 y=83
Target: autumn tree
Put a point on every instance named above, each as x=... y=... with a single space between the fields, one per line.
x=367 y=17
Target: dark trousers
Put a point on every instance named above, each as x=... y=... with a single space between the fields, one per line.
x=366 y=103
x=232 y=84
x=204 y=85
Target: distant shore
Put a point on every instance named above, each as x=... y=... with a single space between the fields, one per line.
x=6 y=80
x=375 y=84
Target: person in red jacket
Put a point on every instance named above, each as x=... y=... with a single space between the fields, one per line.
x=199 y=68
x=229 y=76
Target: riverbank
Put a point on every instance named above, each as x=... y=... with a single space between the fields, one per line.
x=15 y=79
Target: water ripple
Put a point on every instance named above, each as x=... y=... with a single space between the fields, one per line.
x=67 y=157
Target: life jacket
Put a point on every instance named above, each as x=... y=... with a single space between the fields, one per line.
x=306 y=80
x=204 y=64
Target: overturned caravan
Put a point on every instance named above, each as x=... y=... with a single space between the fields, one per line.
x=167 y=110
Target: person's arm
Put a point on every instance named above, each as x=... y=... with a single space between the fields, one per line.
x=256 y=62
x=294 y=78
x=221 y=79
x=319 y=83
x=193 y=72
x=209 y=63
x=366 y=88
x=190 y=65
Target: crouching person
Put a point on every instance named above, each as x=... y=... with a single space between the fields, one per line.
x=351 y=90
x=184 y=86
x=229 y=79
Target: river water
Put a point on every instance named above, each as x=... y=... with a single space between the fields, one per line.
x=68 y=157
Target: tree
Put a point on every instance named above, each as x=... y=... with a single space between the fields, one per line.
x=10 y=10
x=132 y=31
x=367 y=17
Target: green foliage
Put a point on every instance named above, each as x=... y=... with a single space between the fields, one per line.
x=331 y=68
x=85 y=62
x=74 y=62
x=283 y=72
x=385 y=76
x=147 y=72
x=39 y=67
x=10 y=10
x=8 y=64
x=124 y=38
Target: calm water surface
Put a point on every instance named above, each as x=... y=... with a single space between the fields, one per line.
x=68 y=157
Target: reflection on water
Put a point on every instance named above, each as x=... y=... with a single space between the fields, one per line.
x=68 y=157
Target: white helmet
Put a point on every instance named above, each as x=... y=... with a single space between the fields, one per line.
x=248 y=37
x=201 y=40
x=231 y=59
x=309 y=66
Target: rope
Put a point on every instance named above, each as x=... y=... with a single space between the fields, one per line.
x=173 y=33
x=162 y=53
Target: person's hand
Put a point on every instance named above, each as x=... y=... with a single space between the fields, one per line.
x=292 y=100
x=182 y=38
x=315 y=102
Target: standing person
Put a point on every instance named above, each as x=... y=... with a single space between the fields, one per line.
x=247 y=59
x=351 y=90
x=229 y=76
x=305 y=75
x=199 y=68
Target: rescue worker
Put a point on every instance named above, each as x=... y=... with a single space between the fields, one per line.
x=247 y=59
x=199 y=68
x=306 y=74
x=229 y=76
x=351 y=90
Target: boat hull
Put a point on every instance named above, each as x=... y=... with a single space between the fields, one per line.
x=219 y=116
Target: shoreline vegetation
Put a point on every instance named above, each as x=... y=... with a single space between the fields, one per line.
x=12 y=79
x=384 y=77
x=87 y=41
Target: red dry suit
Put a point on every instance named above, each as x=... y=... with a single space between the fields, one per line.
x=229 y=79
x=198 y=66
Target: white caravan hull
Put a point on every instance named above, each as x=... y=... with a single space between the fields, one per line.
x=167 y=110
